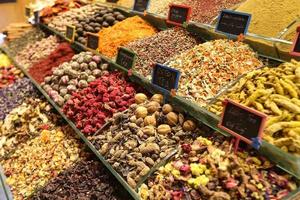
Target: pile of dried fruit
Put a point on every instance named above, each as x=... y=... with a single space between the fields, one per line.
x=14 y=95
x=25 y=122
x=104 y=18
x=208 y=67
x=72 y=17
x=142 y=136
x=88 y=179
x=90 y=107
x=63 y=53
x=33 y=52
x=72 y=76
x=207 y=170
x=17 y=45
x=205 y=11
x=275 y=92
x=130 y=29
x=38 y=160
x=160 y=47
x=9 y=75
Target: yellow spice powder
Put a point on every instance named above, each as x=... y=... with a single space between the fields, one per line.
x=270 y=17
x=122 y=33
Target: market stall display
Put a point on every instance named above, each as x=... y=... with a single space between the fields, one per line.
x=8 y=73
x=72 y=76
x=160 y=48
x=34 y=52
x=39 y=70
x=91 y=107
x=14 y=95
x=208 y=67
x=275 y=92
x=207 y=169
x=120 y=34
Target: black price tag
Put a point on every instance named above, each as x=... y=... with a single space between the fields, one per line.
x=179 y=14
x=27 y=12
x=70 y=33
x=165 y=77
x=296 y=44
x=36 y=15
x=126 y=58
x=141 y=5
x=233 y=23
x=92 y=41
x=244 y=123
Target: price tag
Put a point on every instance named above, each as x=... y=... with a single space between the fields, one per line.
x=36 y=15
x=165 y=77
x=296 y=44
x=244 y=123
x=92 y=41
x=27 y=11
x=126 y=58
x=141 y=5
x=179 y=14
x=233 y=23
x=70 y=33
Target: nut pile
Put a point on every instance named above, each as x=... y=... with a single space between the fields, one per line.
x=40 y=159
x=17 y=45
x=207 y=170
x=160 y=47
x=104 y=18
x=275 y=92
x=208 y=67
x=205 y=11
x=25 y=122
x=33 y=52
x=72 y=76
x=142 y=136
x=88 y=179
x=90 y=107
x=120 y=34
x=8 y=75
x=14 y=95
x=72 y=16
x=63 y=53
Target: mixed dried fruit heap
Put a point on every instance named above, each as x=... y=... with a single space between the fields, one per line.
x=8 y=73
x=91 y=107
x=209 y=170
x=275 y=92
x=139 y=138
x=210 y=66
x=71 y=76
x=120 y=34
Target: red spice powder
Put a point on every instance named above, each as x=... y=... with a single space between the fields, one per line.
x=63 y=53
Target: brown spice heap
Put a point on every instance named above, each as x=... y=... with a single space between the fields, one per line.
x=122 y=33
x=160 y=47
x=204 y=11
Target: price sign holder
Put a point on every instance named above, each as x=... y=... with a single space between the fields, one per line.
x=141 y=5
x=233 y=23
x=179 y=15
x=70 y=33
x=243 y=123
x=92 y=41
x=126 y=58
x=27 y=12
x=296 y=44
x=165 y=78
x=36 y=15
